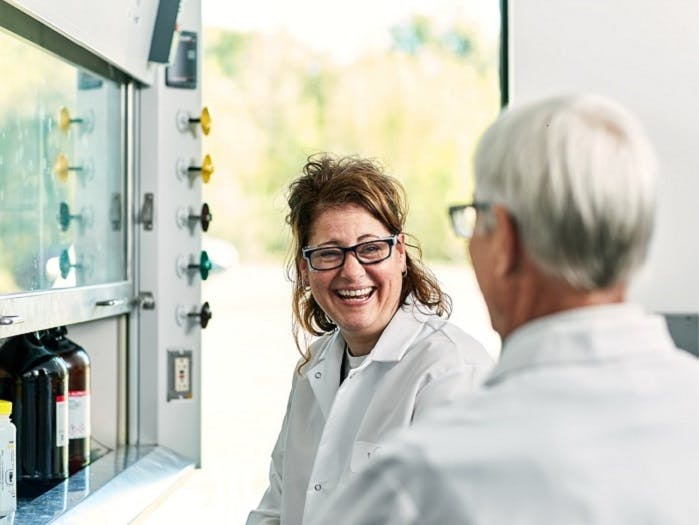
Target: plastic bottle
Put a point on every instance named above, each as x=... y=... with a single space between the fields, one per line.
x=8 y=452
x=78 y=363
x=39 y=411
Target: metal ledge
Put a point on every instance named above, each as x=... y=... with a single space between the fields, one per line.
x=49 y=308
x=116 y=488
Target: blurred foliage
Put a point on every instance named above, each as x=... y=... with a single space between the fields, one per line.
x=418 y=107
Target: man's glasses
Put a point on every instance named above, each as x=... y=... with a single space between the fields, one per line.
x=463 y=217
x=331 y=257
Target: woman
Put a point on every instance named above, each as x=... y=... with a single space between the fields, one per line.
x=384 y=355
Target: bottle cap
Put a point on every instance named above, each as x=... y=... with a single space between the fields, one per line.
x=5 y=407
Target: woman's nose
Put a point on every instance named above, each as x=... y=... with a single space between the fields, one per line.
x=352 y=267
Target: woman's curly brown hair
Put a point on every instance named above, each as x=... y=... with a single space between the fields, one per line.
x=331 y=182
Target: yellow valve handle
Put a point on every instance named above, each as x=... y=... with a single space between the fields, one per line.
x=61 y=167
x=64 y=119
x=205 y=120
x=207 y=168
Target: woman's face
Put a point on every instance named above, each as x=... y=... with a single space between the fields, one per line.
x=360 y=299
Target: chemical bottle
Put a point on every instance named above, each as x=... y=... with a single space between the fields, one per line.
x=39 y=412
x=78 y=364
x=8 y=484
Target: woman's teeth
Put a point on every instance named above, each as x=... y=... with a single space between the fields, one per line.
x=355 y=294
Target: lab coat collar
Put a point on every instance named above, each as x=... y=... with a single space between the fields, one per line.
x=400 y=333
x=323 y=373
x=588 y=334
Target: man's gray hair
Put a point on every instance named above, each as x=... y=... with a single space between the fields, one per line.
x=577 y=174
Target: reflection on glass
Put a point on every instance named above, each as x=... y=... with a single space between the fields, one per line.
x=61 y=173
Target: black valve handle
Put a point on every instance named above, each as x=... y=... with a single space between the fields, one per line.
x=204 y=315
x=205 y=217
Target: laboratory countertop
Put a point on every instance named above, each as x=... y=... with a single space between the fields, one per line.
x=116 y=488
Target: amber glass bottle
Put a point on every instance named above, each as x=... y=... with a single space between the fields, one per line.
x=39 y=410
x=78 y=363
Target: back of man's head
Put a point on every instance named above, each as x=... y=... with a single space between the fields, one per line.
x=577 y=174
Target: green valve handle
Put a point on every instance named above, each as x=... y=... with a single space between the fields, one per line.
x=65 y=265
x=204 y=265
x=64 y=216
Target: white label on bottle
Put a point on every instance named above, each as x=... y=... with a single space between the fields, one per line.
x=61 y=421
x=78 y=414
x=8 y=482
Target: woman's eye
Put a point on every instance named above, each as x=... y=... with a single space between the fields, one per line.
x=329 y=254
x=368 y=249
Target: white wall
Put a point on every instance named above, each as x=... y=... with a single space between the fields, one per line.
x=645 y=54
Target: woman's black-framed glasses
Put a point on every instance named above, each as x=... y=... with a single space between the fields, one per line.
x=322 y=258
x=463 y=217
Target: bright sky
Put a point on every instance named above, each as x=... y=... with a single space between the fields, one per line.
x=342 y=27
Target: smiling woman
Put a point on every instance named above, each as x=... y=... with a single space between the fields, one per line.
x=349 y=201
x=385 y=354
x=359 y=296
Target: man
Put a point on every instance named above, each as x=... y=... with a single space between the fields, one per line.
x=592 y=415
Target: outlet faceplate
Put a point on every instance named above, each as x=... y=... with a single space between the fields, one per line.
x=179 y=377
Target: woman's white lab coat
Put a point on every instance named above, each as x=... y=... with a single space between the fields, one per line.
x=330 y=430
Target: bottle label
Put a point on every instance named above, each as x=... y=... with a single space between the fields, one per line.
x=78 y=414
x=8 y=482
x=61 y=421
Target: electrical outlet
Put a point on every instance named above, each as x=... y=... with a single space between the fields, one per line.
x=179 y=367
x=182 y=374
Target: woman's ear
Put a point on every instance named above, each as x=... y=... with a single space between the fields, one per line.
x=400 y=247
x=302 y=265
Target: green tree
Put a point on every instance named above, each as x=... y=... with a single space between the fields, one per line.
x=417 y=107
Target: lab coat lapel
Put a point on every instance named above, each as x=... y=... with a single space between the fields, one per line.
x=399 y=334
x=324 y=374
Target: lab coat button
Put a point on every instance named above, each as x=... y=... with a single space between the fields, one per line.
x=318 y=374
x=317 y=487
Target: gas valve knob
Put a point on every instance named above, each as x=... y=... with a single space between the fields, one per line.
x=65 y=264
x=206 y=169
x=65 y=120
x=62 y=167
x=185 y=121
x=204 y=265
x=204 y=315
x=204 y=218
x=64 y=216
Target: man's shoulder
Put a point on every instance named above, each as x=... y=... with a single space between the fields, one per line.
x=440 y=339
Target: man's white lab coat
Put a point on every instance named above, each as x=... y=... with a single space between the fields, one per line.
x=591 y=416
x=330 y=431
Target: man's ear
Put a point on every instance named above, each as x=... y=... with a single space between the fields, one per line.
x=507 y=242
